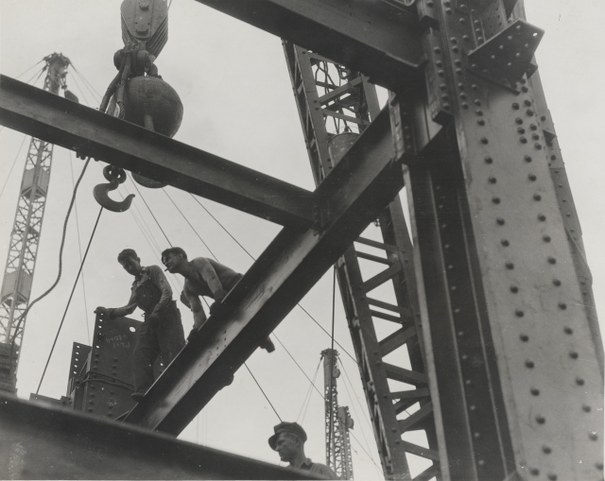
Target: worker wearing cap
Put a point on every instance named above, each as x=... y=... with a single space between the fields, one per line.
x=288 y=440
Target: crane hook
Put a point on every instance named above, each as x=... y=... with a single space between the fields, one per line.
x=115 y=176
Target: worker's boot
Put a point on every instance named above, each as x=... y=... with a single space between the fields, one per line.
x=268 y=345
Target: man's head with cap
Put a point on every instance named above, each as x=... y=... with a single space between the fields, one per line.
x=288 y=440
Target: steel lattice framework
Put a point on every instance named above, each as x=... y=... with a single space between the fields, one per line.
x=337 y=420
x=375 y=275
x=25 y=237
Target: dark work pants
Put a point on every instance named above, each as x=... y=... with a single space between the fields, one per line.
x=161 y=335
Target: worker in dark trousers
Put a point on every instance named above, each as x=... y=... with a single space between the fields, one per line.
x=162 y=332
x=288 y=440
x=204 y=277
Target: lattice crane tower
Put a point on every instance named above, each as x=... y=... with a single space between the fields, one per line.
x=338 y=421
x=25 y=236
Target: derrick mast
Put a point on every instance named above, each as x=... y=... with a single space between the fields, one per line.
x=338 y=421
x=25 y=236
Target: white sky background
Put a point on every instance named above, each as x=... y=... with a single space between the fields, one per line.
x=233 y=82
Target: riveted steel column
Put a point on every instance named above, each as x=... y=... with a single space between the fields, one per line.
x=514 y=370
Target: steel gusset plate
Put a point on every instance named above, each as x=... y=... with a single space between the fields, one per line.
x=507 y=56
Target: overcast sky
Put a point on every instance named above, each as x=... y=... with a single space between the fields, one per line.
x=238 y=103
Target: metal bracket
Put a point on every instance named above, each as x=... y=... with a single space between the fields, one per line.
x=507 y=56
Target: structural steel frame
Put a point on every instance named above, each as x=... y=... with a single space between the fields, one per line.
x=509 y=342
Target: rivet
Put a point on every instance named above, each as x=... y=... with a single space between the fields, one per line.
x=464 y=105
x=534 y=391
x=527 y=158
x=541 y=217
x=496 y=200
x=523 y=140
x=535 y=137
x=505 y=242
x=599 y=466
x=540 y=419
x=524 y=337
x=479 y=112
x=546 y=238
x=472 y=407
x=573 y=355
x=481 y=122
x=515 y=106
x=436 y=50
x=562 y=306
x=510 y=265
x=500 y=221
x=484 y=140
x=532 y=177
x=546 y=449
x=519 y=313
x=537 y=197
x=527 y=103
x=474 y=86
x=593 y=436
x=586 y=408
x=476 y=435
x=477 y=102
x=520 y=130
x=535 y=471
x=488 y=160
x=552 y=477
x=568 y=331
x=481 y=462
x=538 y=146
x=514 y=289
x=556 y=282
x=529 y=364
x=552 y=260
x=529 y=112
x=579 y=381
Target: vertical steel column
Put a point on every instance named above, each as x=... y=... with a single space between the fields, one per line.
x=381 y=297
x=25 y=237
x=514 y=364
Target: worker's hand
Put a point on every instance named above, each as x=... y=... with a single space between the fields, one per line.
x=103 y=311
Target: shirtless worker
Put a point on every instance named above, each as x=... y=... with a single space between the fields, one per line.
x=203 y=277
x=162 y=332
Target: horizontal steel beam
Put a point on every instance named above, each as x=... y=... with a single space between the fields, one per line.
x=92 y=133
x=360 y=186
x=40 y=441
x=371 y=37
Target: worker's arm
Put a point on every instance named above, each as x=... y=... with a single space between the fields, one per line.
x=159 y=279
x=113 y=312
x=193 y=302
x=209 y=276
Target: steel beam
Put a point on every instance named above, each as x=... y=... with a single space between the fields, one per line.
x=373 y=37
x=40 y=441
x=364 y=181
x=92 y=133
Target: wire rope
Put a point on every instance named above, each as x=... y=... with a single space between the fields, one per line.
x=151 y=212
x=28 y=69
x=31 y=80
x=87 y=319
x=303 y=413
x=81 y=90
x=264 y=393
x=98 y=96
x=189 y=224
x=94 y=229
x=13 y=166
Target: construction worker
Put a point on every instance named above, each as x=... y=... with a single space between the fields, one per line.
x=204 y=277
x=288 y=440
x=162 y=332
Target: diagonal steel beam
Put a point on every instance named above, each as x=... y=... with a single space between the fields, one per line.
x=90 y=132
x=358 y=188
x=373 y=37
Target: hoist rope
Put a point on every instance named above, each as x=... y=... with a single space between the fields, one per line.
x=189 y=224
x=75 y=284
x=86 y=318
x=13 y=166
x=254 y=258
x=151 y=212
x=264 y=393
x=303 y=408
x=61 y=248
x=28 y=69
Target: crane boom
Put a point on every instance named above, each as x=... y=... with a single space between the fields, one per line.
x=25 y=237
